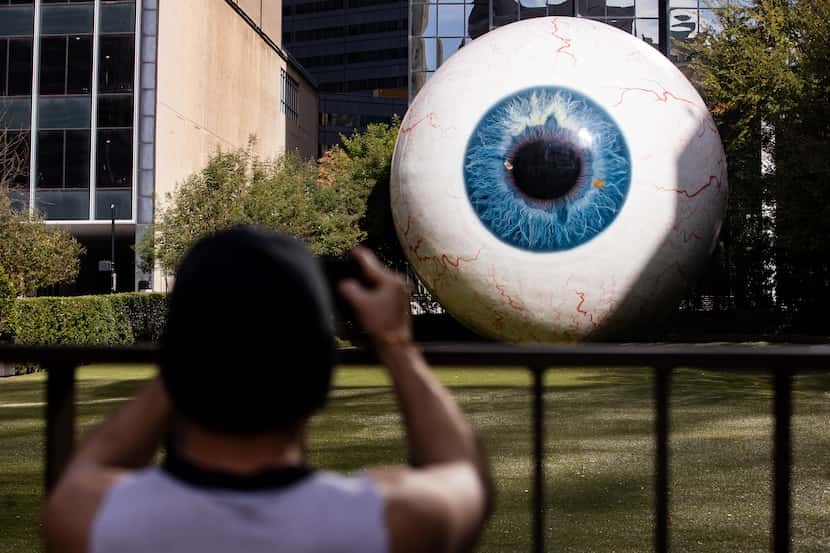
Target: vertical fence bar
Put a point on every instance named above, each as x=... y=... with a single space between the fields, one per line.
x=662 y=383
x=538 y=460
x=782 y=459
x=60 y=420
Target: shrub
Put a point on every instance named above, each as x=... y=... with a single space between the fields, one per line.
x=145 y=313
x=7 y=306
x=84 y=320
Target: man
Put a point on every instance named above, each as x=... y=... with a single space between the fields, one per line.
x=247 y=358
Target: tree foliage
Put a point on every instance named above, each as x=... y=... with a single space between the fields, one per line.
x=765 y=74
x=33 y=254
x=287 y=194
x=368 y=160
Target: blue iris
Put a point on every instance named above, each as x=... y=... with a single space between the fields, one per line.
x=547 y=169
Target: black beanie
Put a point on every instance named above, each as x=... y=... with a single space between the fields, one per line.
x=249 y=343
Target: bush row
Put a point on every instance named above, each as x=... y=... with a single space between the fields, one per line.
x=89 y=320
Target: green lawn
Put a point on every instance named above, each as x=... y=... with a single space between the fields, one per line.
x=599 y=462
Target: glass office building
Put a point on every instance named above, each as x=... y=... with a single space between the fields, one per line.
x=67 y=81
x=439 y=28
x=357 y=52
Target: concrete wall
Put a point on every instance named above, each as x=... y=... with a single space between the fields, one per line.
x=266 y=14
x=303 y=135
x=218 y=84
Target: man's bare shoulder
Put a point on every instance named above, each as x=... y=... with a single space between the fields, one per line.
x=430 y=509
x=71 y=509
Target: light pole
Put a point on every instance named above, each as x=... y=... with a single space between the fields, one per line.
x=113 y=277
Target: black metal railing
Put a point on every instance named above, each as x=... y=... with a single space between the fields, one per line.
x=781 y=361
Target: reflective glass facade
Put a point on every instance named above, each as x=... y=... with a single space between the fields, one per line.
x=67 y=79
x=439 y=28
x=357 y=51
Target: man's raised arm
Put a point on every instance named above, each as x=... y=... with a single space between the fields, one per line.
x=443 y=503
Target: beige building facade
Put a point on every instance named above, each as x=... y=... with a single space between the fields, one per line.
x=221 y=79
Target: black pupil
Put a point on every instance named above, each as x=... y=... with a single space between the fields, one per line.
x=546 y=169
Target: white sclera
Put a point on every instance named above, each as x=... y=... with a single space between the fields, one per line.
x=630 y=273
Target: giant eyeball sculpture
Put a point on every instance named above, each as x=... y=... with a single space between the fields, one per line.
x=558 y=180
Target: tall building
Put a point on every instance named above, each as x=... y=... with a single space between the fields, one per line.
x=120 y=100
x=357 y=51
x=439 y=29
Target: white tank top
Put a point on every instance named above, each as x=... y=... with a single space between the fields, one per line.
x=180 y=509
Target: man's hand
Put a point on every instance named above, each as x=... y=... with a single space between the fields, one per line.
x=383 y=306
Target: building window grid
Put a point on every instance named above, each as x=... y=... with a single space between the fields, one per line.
x=427 y=42
x=6 y=38
x=10 y=87
x=289 y=96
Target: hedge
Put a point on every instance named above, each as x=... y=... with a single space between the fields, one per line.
x=7 y=305
x=90 y=320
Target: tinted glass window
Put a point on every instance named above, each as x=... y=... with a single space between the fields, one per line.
x=61 y=112
x=77 y=159
x=53 y=65
x=20 y=67
x=118 y=18
x=50 y=159
x=16 y=20
x=57 y=20
x=116 y=64
x=4 y=66
x=16 y=112
x=115 y=111
x=79 y=68
x=115 y=158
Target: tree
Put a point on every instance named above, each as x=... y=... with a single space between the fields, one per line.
x=33 y=254
x=368 y=161
x=765 y=75
x=287 y=194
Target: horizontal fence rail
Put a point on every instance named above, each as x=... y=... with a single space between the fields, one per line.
x=781 y=361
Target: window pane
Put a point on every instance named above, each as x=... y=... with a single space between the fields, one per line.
x=53 y=65
x=79 y=79
x=646 y=8
x=451 y=20
x=118 y=18
x=649 y=31
x=478 y=20
x=77 y=159
x=423 y=54
x=116 y=64
x=50 y=159
x=504 y=12
x=447 y=47
x=626 y=25
x=423 y=19
x=63 y=205
x=20 y=67
x=591 y=8
x=16 y=20
x=4 y=45
x=64 y=113
x=560 y=7
x=122 y=199
x=683 y=23
x=528 y=9
x=115 y=158
x=115 y=111
x=16 y=112
x=58 y=20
